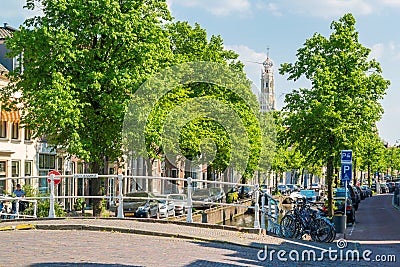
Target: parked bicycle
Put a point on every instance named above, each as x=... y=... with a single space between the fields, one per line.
x=304 y=220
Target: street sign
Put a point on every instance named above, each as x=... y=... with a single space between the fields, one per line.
x=86 y=175
x=346 y=172
x=57 y=180
x=346 y=156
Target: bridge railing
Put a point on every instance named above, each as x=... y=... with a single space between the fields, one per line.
x=13 y=212
x=119 y=181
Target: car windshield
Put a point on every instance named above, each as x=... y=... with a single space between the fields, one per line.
x=307 y=193
x=290 y=185
x=201 y=193
x=215 y=191
x=176 y=197
x=142 y=195
x=281 y=186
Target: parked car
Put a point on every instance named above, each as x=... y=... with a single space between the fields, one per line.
x=397 y=184
x=391 y=186
x=282 y=189
x=310 y=194
x=351 y=193
x=292 y=188
x=201 y=195
x=217 y=194
x=355 y=196
x=373 y=187
x=384 y=188
x=130 y=205
x=350 y=210
x=245 y=191
x=166 y=208
x=360 y=191
x=180 y=203
x=367 y=191
x=148 y=210
x=315 y=186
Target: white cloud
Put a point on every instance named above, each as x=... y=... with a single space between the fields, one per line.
x=325 y=8
x=217 y=7
x=391 y=3
x=252 y=61
x=377 y=51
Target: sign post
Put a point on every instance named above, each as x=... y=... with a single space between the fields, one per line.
x=53 y=181
x=346 y=173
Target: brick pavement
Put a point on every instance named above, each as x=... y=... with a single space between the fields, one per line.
x=111 y=243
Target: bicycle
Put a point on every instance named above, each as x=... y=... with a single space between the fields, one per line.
x=303 y=220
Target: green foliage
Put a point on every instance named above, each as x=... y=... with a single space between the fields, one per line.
x=232 y=197
x=79 y=204
x=82 y=63
x=43 y=205
x=342 y=104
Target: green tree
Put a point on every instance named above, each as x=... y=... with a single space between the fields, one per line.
x=343 y=101
x=196 y=98
x=372 y=155
x=83 y=60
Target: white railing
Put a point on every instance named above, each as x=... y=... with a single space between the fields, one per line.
x=12 y=212
x=120 y=197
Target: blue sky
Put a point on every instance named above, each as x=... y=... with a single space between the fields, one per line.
x=250 y=26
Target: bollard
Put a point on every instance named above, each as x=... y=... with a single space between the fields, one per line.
x=263 y=212
x=189 y=218
x=257 y=209
x=269 y=215
x=52 y=213
x=120 y=198
x=17 y=208
x=35 y=208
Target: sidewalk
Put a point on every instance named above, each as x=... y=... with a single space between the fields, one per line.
x=247 y=237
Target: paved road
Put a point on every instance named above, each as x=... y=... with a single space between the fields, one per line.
x=376 y=219
x=39 y=248
x=377 y=228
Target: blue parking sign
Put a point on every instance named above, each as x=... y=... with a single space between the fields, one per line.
x=346 y=156
x=346 y=172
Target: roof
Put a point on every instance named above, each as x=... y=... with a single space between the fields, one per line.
x=6 y=31
x=3 y=69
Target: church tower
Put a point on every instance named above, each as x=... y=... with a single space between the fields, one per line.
x=267 y=95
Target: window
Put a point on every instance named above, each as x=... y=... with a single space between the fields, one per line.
x=28 y=168
x=15 y=130
x=2 y=174
x=15 y=169
x=47 y=161
x=28 y=134
x=3 y=129
x=60 y=164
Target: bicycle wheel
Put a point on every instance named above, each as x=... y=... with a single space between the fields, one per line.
x=320 y=230
x=288 y=226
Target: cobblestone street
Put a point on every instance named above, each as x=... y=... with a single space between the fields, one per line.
x=97 y=242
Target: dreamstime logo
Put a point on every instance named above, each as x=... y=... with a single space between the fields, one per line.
x=195 y=113
x=318 y=254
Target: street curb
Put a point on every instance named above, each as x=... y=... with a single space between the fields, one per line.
x=18 y=227
x=138 y=232
x=396 y=207
x=194 y=224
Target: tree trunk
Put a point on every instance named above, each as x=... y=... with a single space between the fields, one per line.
x=302 y=177
x=149 y=168
x=329 y=178
x=355 y=172
x=369 y=175
x=96 y=190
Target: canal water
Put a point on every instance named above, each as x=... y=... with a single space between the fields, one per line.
x=245 y=220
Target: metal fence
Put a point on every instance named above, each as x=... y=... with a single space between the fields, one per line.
x=118 y=186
